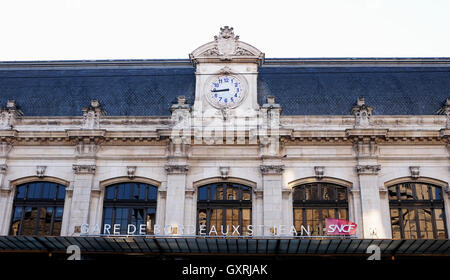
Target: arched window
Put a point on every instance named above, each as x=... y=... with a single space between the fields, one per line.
x=417 y=211
x=38 y=209
x=315 y=202
x=129 y=204
x=223 y=208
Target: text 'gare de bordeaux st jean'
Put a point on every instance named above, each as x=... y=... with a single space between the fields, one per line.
x=330 y=154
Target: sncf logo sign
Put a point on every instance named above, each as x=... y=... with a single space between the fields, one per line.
x=339 y=227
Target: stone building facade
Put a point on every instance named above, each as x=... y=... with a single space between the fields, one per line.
x=363 y=124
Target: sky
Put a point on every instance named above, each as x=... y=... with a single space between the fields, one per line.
x=165 y=29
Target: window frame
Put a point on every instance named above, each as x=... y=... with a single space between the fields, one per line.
x=129 y=204
x=224 y=204
x=319 y=204
x=38 y=203
x=416 y=205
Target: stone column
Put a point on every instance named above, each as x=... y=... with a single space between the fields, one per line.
x=272 y=196
x=372 y=217
x=175 y=200
x=81 y=197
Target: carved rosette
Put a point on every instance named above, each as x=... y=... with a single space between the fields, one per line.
x=368 y=169
x=272 y=169
x=84 y=169
x=176 y=168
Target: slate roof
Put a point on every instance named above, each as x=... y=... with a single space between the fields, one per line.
x=147 y=88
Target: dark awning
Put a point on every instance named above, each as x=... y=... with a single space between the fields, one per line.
x=215 y=245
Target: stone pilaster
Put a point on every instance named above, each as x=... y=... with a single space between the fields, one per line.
x=81 y=196
x=176 y=194
x=372 y=216
x=272 y=196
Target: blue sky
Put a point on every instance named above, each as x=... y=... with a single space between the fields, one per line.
x=131 y=29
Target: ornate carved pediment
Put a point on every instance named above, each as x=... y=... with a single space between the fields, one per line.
x=226 y=47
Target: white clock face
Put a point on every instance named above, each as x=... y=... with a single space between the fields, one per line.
x=225 y=91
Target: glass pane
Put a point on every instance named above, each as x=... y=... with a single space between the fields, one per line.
x=123 y=191
x=343 y=214
x=61 y=192
x=17 y=216
x=202 y=217
x=110 y=192
x=297 y=195
x=246 y=193
x=203 y=193
x=121 y=219
x=135 y=191
x=440 y=226
x=232 y=193
x=392 y=191
x=108 y=216
x=436 y=193
x=57 y=221
x=34 y=190
x=328 y=192
x=142 y=191
x=151 y=216
x=45 y=220
x=29 y=221
x=341 y=194
x=152 y=193
x=314 y=192
x=395 y=222
x=246 y=221
x=20 y=194
x=219 y=193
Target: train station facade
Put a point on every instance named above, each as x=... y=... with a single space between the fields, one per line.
x=229 y=145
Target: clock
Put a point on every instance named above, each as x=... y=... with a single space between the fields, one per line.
x=225 y=91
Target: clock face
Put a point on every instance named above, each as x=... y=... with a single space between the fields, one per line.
x=225 y=91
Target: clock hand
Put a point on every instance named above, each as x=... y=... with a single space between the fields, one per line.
x=217 y=90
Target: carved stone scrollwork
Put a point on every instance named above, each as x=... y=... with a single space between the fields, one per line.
x=9 y=115
x=131 y=172
x=272 y=169
x=224 y=172
x=319 y=172
x=92 y=114
x=176 y=168
x=84 y=169
x=362 y=113
x=368 y=169
x=415 y=171
x=3 y=169
x=40 y=171
x=226 y=47
x=445 y=110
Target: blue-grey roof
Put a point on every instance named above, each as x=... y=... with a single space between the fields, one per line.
x=134 y=90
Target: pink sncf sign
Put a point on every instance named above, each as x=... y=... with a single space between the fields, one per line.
x=339 y=227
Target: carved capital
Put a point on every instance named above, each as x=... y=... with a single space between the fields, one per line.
x=176 y=168
x=368 y=169
x=272 y=169
x=40 y=171
x=84 y=169
x=131 y=171
x=415 y=171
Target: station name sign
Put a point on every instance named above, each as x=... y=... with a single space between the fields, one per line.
x=332 y=227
